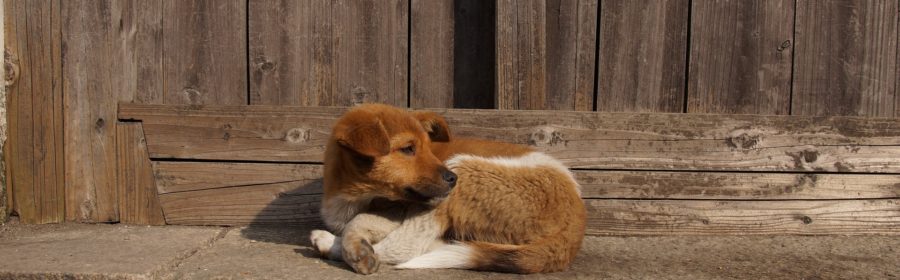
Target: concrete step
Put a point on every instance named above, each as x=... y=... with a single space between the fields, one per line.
x=99 y=251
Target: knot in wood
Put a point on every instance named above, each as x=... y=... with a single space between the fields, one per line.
x=192 y=96
x=99 y=125
x=360 y=95
x=267 y=66
x=545 y=136
x=12 y=70
x=784 y=45
x=806 y=220
x=742 y=141
x=297 y=135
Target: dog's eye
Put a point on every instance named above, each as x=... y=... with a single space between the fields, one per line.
x=409 y=150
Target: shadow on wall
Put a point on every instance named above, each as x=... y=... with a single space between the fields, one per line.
x=294 y=210
x=289 y=218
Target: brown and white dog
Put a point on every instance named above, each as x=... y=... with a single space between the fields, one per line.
x=388 y=180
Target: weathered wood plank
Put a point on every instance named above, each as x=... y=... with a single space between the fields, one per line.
x=137 y=195
x=290 y=194
x=846 y=53
x=643 y=46
x=734 y=186
x=21 y=136
x=666 y=217
x=431 y=54
x=741 y=55
x=327 y=53
x=173 y=177
x=542 y=54
x=35 y=110
x=581 y=139
x=89 y=78
x=282 y=204
x=205 y=52
x=139 y=52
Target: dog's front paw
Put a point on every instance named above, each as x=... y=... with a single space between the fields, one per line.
x=323 y=241
x=361 y=256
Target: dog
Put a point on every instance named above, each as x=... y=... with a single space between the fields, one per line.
x=400 y=189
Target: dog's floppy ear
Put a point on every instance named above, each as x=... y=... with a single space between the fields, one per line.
x=434 y=124
x=368 y=137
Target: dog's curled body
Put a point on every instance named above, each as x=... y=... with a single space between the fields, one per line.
x=512 y=209
x=521 y=214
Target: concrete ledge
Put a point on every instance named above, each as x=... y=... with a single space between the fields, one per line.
x=81 y=251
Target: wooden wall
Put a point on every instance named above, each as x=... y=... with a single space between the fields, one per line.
x=74 y=157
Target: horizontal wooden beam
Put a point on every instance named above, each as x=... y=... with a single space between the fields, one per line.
x=620 y=202
x=816 y=217
x=589 y=140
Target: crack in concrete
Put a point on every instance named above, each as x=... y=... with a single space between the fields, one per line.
x=167 y=271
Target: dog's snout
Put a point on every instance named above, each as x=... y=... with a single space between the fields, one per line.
x=449 y=177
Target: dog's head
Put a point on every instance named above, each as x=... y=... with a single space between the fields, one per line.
x=379 y=151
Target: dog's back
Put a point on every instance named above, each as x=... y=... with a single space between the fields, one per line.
x=514 y=214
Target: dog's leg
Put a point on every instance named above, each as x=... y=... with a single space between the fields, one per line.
x=360 y=233
x=418 y=234
x=329 y=246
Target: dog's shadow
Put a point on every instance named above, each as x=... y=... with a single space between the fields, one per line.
x=289 y=218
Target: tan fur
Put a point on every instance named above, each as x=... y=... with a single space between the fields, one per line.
x=522 y=219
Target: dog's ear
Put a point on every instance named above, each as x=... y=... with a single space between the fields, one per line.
x=434 y=124
x=366 y=137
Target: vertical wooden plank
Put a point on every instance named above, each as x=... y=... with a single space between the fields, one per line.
x=474 y=54
x=328 y=53
x=507 y=55
x=89 y=73
x=846 y=58
x=586 y=55
x=538 y=53
x=21 y=136
x=139 y=51
x=371 y=52
x=740 y=61
x=431 y=54
x=282 y=45
x=138 y=201
x=35 y=106
x=205 y=52
x=642 y=58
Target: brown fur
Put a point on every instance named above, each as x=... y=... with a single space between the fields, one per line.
x=522 y=220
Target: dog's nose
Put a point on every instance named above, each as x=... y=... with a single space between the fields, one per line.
x=449 y=177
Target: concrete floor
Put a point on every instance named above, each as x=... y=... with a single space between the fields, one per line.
x=174 y=252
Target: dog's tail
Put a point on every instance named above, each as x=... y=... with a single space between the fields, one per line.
x=547 y=254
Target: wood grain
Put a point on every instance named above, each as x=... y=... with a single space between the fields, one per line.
x=327 y=53
x=137 y=195
x=139 y=51
x=740 y=60
x=734 y=186
x=638 y=141
x=35 y=110
x=667 y=217
x=173 y=177
x=643 y=46
x=90 y=77
x=543 y=54
x=205 y=52
x=218 y=193
x=211 y=193
x=846 y=58
x=431 y=54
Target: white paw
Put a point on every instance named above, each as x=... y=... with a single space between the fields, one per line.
x=322 y=240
